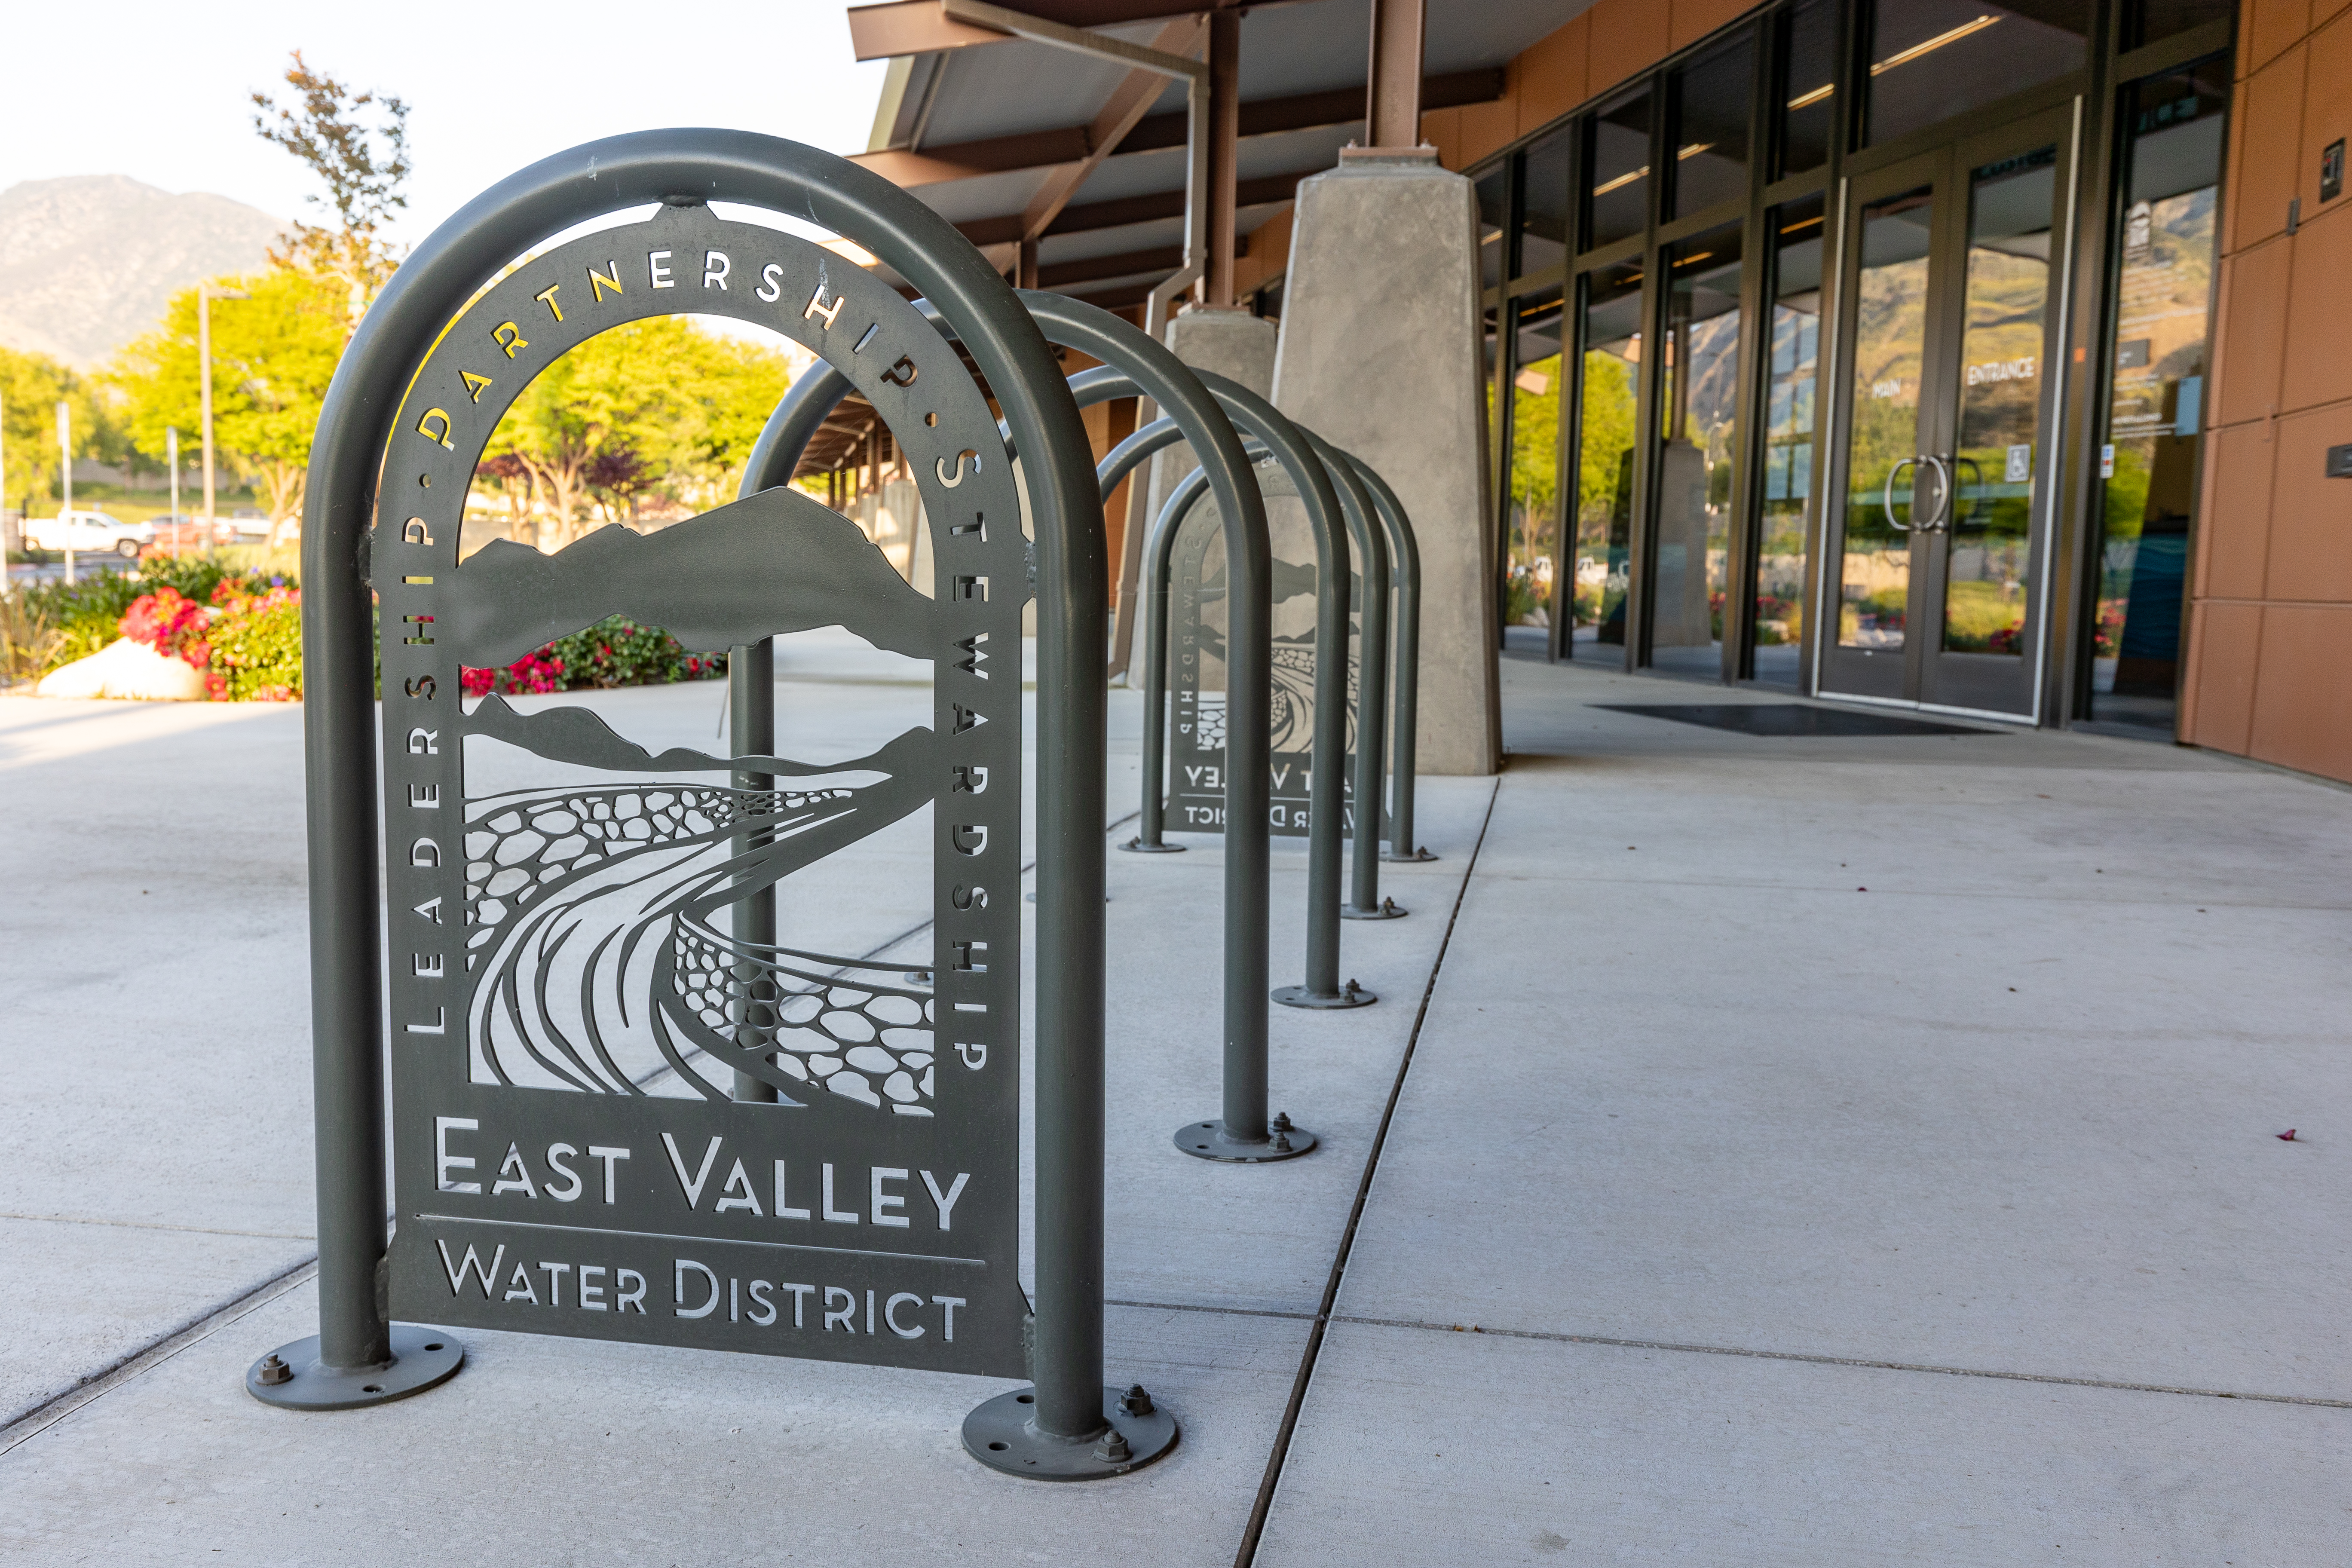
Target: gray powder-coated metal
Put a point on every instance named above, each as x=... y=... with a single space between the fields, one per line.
x=496 y=1067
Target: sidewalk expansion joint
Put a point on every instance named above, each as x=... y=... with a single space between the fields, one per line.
x=1321 y=1319
x=30 y=1423
x=1868 y=1362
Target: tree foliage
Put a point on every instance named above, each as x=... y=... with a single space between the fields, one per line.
x=273 y=356
x=362 y=167
x=656 y=405
x=31 y=387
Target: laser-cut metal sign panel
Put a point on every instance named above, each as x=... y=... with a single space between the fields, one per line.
x=555 y=950
x=1196 y=679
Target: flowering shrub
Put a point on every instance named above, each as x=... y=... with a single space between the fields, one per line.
x=615 y=651
x=172 y=626
x=256 y=637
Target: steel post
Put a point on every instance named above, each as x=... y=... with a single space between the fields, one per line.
x=751 y=731
x=1405 y=729
x=1364 y=900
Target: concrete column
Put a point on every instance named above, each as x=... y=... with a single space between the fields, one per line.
x=1381 y=354
x=1234 y=344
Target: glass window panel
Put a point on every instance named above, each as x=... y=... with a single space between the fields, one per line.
x=1547 y=186
x=1933 y=59
x=1699 y=448
x=1809 y=87
x=1711 y=143
x=1532 y=492
x=2153 y=21
x=1617 y=164
x=1604 y=472
x=1997 y=460
x=2149 y=454
x=1490 y=365
x=1492 y=213
x=1890 y=336
x=1787 y=491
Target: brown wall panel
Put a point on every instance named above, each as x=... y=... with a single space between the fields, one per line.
x=1552 y=74
x=1627 y=37
x=2318 y=362
x=2227 y=644
x=1694 y=19
x=2266 y=131
x=1487 y=127
x=2233 y=531
x=2311 y=514
x=2250 y=332
x=2327 y=112
x=2266 y=27
x=2303 y=703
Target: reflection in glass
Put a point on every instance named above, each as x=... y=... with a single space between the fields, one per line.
x=1492 y=213
x=1889 y=336
x=1933 y=59
x=1711 y=143
x=1699 y=451
x=1532 y=497
x=1488 y=366
x=2156 y=401
x=1788 y=487
x=2153 y=21
x=1809 y=87
x=1604 y=470
x=1617 y=170
x=1990 y=518
x=1547 y=189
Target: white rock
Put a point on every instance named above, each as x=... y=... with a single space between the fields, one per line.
x=126 y=669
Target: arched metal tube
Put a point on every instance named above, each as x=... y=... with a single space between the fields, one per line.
x=432 y=288
x=1405 y=551
x=1364 y=900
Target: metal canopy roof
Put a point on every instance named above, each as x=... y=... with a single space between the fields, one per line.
x=977 y=126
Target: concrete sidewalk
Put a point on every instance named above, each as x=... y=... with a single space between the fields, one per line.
x=1729 y=1212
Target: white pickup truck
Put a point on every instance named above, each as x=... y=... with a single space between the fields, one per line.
x=89 y=532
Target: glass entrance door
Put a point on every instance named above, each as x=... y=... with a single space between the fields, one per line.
x=1936 y=557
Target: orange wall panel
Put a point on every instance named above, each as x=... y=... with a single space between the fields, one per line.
x=2327 y=112
x=1486 y=127
x=2228 y=642
x=2318 y=362
x=2267 y=131
x=1552 y=74
x=2250 y=332
x=2311 y=514
x=1441 y=129
x=2266 y=27
x=1694 y=19
x=1627 y=37
x=2303 y=703
x=2233 y=530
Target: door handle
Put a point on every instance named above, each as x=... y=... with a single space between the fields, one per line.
x=1943 y=515
x=1886 y=500
x=1943 y=495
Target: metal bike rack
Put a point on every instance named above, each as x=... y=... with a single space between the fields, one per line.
x=431 y=322
x=1133 y=364
x=1260 y=420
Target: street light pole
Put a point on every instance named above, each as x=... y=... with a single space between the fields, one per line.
x=65 y=471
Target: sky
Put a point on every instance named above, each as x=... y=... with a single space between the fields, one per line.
x=160 y=92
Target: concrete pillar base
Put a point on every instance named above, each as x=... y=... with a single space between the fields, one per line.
x=1381 y=354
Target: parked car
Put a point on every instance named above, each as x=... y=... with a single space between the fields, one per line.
x=89 y=532
x=177 y=531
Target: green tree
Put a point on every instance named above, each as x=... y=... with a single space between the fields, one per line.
x=362 y=167
x=273 y=356
x=657 y=405
x=31 y=387
x=1608 y=432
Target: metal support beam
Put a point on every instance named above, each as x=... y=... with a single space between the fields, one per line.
x=1392 y=117
x=1224 y=142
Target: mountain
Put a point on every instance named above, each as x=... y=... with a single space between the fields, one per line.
x=89 y=262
